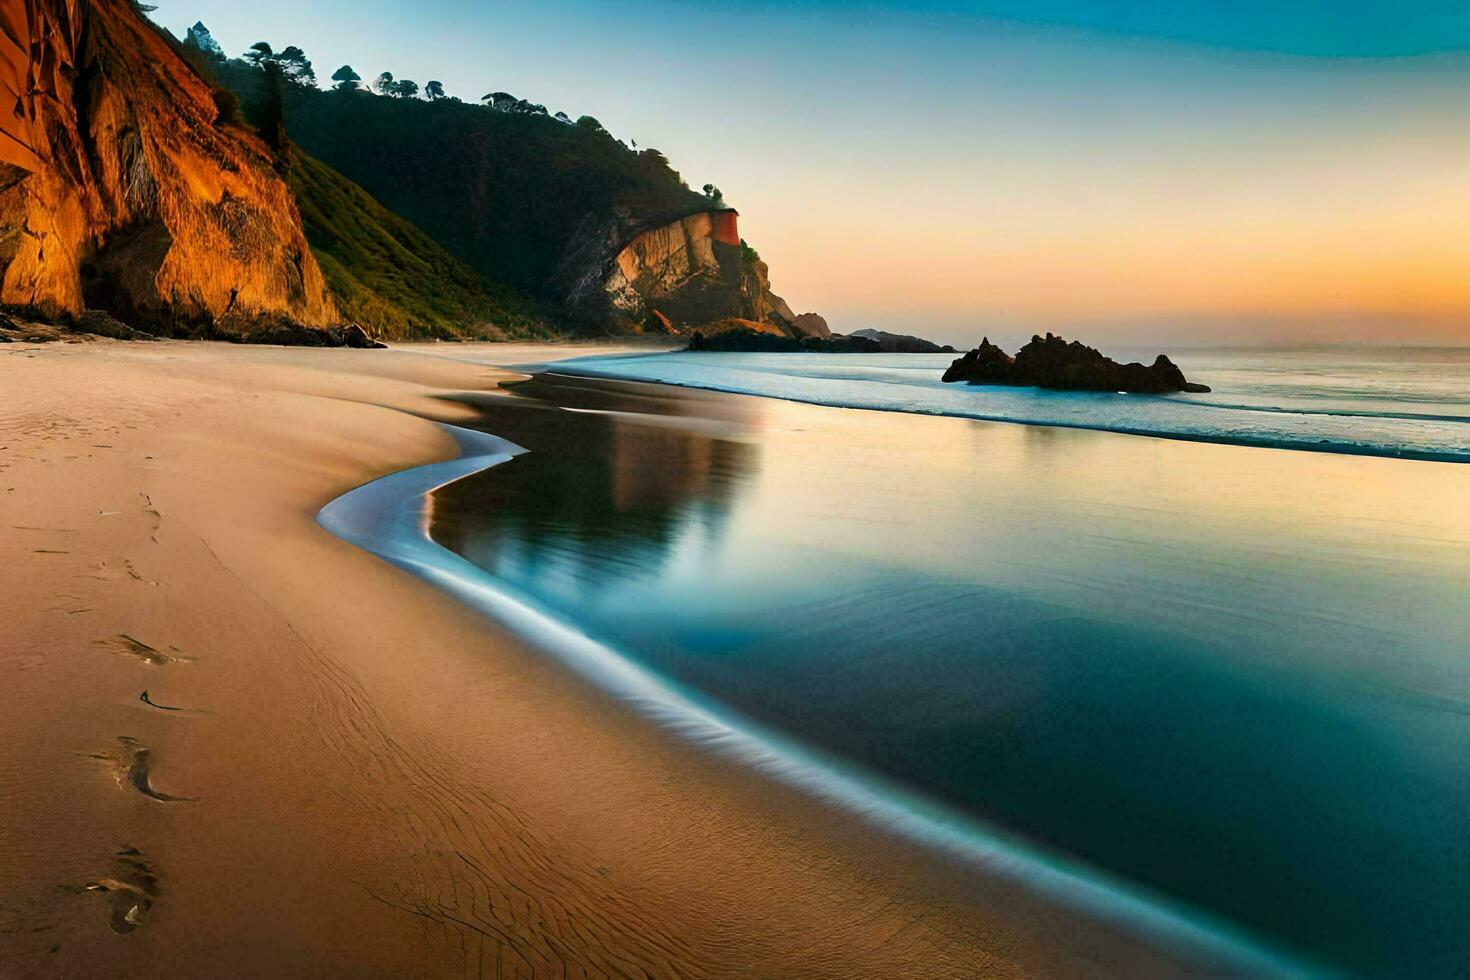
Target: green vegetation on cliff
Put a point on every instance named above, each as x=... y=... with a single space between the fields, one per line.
x=383 y=272
x=432 y=216
x=503 y=186
x=391 y=277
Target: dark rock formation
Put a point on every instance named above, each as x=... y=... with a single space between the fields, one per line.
x=122 y=189
x=353 y=335
x=744 y=341
x=900 y=343
x=1054 y=363
x=811 y=325
x=842 y=344
x=104 y=324
x=762 y=338
x=986 y=364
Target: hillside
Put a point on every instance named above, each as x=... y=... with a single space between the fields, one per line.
x=394 y=279
x=504 y=191
x=193 y=195
x=433 y=216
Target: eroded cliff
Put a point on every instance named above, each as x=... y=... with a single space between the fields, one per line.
x=121 y=187
x=680 y=274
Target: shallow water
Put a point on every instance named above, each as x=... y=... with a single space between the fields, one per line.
x=1237 y=677
x=1406 y=402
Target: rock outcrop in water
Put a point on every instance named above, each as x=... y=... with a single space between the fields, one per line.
x=1052 y=362
x=745 y=336
x=123 y=189
x=902 y=343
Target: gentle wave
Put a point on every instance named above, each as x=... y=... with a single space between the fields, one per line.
x=1334 y=413
x=914 y=387
x=389 y=518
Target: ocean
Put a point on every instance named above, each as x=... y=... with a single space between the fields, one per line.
x=1226 y=682
x=1405 y=402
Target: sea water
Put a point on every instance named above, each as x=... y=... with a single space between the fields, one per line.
x=1408 y=402
x=1235 y=678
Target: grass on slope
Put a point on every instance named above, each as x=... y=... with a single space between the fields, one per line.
x=392 y=278
x=505 y=192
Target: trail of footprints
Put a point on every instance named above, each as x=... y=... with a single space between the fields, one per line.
x=131 y=886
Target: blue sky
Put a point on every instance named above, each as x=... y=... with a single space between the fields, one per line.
x=1128 y=169
x=1316 y=28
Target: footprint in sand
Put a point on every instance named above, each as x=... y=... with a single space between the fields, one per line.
x=134 y=574
x=123 y=643
x=134 y=765
x=152 y=512
x=154 y=704
x=138 y=778
x=131 y=889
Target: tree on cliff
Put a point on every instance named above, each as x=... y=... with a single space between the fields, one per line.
x=402 y=88
x=434 y=91
x=713 y=193
x=290 y=61
x=505 y=191
x=273 y=114
x=346 y=79
x=295 y=66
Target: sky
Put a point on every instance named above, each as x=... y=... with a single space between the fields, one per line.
x=1124 y=170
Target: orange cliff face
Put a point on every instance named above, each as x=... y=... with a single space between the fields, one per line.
x=725 y=226
x=121 y=189
x=693 y=274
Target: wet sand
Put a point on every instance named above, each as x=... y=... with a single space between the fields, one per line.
x=236 y=745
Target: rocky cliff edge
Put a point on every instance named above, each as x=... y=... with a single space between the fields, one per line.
x=123 y=188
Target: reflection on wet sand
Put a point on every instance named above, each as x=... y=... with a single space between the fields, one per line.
x=600 y=492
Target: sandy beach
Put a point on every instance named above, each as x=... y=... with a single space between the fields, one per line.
x=339 y=770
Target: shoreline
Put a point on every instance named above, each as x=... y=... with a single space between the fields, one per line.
x=367 y=776
x=389 y=517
